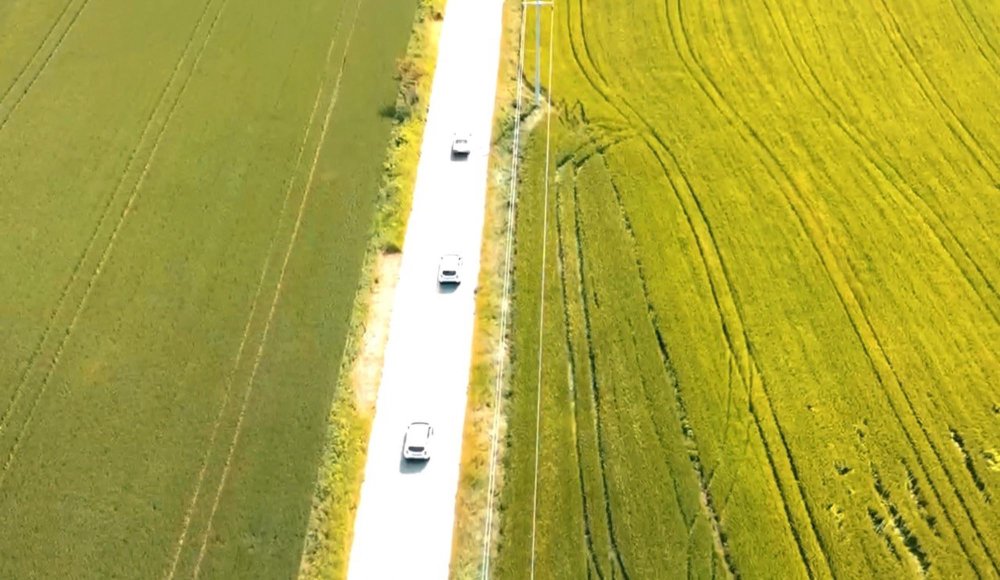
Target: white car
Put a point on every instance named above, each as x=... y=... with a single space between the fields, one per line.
x=450 y=269
x=460 y=145
x=417 y=442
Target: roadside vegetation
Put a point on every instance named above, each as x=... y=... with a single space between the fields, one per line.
x=471 y=502
x=771 y=295
x=186 y=194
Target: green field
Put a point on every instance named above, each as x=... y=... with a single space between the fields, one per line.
x=186 y=194
x=772 y=294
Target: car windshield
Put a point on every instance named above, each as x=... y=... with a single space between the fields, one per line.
x=449 y=272
x=416 y=447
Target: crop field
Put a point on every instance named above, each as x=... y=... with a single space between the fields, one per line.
x=186 y=195
x=770 y=317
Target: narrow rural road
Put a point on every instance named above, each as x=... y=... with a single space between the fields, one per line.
x=406 y=515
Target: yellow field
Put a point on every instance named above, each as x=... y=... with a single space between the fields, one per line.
x=772 y=321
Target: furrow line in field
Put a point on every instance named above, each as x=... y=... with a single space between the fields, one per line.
x=904 y=51
x=857 y=316
x=687 y=428
x=571 y=359
x=105 y=213
x=906 y=193
x=279 y=286
x=102 y=261
x=227 y=391
x=45 y=63
x=38 y=50
x=595 y=386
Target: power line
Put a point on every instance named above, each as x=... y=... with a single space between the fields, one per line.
x=505 y=297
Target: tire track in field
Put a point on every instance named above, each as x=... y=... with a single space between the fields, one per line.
x=652 y=140
x=983 y=44
x=45 y=62
x=843 y=282
x=706 y=500
x=38 y=50
x=588 y=534
x=594 y=389
x=929 y=89
x=227 y=391
x=736 y=337
x=279 y=286
x=906 y=194
x=106 y=251
x=105 y=213
x=863 y=329
x=913 y=411
x=593 y=386
x=733 y=326
x=847 y=129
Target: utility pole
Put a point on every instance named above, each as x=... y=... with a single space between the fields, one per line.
x=538 y=45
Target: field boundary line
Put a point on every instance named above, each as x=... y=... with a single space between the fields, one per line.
x=277 y=293
x=45 y=63
x=541 y=302
x=504 y=310
x=253 y=308
x=105 y=256
x=74 y=276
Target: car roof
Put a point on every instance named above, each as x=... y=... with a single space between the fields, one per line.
x=451 y=259
x=418 y=432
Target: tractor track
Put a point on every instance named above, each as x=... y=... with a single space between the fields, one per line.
x=109 y=245
x=10 y=109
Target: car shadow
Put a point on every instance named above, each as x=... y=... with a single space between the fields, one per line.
x=447 y=288
x=459 y=156
x=407 y=467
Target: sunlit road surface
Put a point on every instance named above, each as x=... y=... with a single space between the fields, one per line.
x=405 y=519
